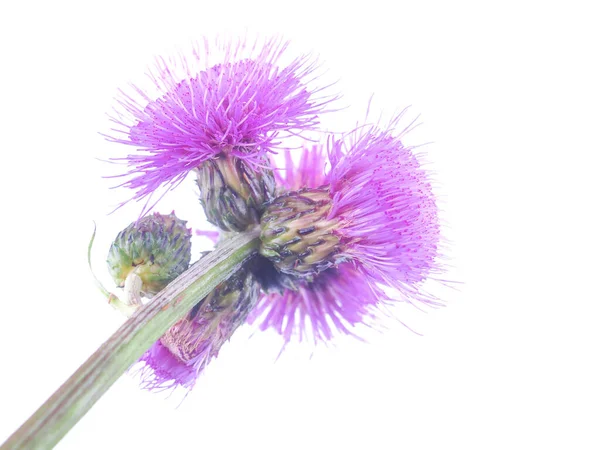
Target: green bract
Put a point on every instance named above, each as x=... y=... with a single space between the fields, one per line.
x=296 y=234
x=233 y=192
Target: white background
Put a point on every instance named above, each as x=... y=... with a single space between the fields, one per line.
x=508 y=94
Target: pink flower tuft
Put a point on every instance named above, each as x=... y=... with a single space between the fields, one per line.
x=387 y=210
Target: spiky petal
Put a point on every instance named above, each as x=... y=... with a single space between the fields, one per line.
x=335 y=301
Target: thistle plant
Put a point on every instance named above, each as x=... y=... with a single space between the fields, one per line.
x=310 y=245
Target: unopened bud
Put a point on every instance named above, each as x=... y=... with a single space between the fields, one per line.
x=233 y=192
x=297 y=235
x=156 y=249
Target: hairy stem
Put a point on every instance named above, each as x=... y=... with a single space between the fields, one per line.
x=78 y=394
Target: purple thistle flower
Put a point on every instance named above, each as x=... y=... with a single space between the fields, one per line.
x=240 y=107
x=368 y=222
x=182 y=353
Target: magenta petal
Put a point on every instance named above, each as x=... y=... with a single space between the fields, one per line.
x=163 y=370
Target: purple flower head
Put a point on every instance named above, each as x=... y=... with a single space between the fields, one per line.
x=240 y=107
x=182 y=353
x=369 y=221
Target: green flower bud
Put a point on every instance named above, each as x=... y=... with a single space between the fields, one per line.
x=156 y=249
x=233 y=192
x=297 y=235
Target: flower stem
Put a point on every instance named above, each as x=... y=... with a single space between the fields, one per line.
x=46 y=427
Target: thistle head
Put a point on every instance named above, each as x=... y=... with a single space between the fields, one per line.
x=156 y=248
x=178 y=358
x=237 y=109
x=375 y=221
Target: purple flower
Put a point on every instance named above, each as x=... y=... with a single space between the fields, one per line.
x=241 y=108
x=369 y=221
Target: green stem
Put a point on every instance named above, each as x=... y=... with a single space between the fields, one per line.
x=78 y=394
